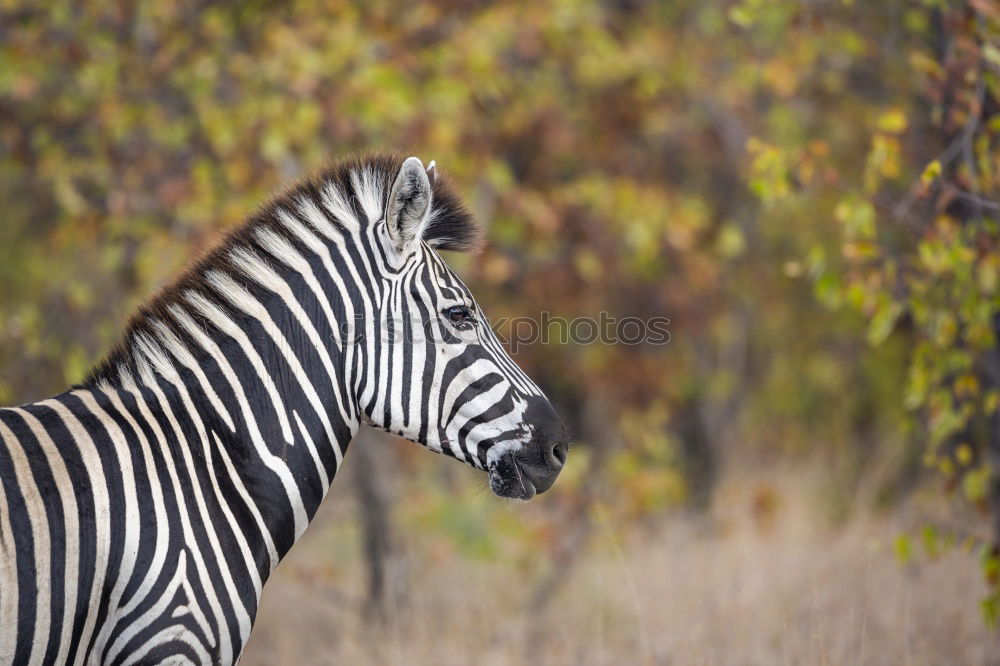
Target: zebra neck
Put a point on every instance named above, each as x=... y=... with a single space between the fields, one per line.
x=274 y=465
x=243 y=434
x=254 y=377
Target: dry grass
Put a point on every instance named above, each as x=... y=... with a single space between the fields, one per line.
x=768 y=581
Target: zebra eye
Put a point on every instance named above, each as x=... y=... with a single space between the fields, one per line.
x=457 y=313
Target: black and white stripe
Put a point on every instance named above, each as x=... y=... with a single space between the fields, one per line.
x=142 y=511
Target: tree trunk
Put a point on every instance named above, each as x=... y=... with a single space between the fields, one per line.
x=374 y=512
x=993 y=442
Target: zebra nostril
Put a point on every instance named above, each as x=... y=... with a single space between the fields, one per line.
x=557 y=456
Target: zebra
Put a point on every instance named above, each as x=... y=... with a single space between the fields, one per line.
x=142 y=511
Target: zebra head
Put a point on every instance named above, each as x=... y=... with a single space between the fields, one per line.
x=451 y=385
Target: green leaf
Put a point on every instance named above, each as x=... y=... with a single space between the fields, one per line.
x=929 y=537
x=883 y=322
x=990 y=608
x=903 y=548
x=975 y=483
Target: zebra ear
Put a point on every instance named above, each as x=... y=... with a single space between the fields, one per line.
x=409 y=202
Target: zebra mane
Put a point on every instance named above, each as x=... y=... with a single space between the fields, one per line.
x=348 y=194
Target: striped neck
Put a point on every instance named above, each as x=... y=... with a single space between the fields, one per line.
x=249 y=372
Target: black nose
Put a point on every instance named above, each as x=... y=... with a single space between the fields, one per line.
x=557 y=454
x=543 y=457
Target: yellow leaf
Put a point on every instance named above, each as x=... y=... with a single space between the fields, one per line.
x=892 y=120
x=731 y=242
x=931 y=172
x=967 y=385
x=991 y=401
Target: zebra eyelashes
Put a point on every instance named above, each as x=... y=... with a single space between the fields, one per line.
x=460 y=316
x=457 y=313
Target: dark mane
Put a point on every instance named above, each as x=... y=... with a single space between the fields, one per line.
x=449 y=227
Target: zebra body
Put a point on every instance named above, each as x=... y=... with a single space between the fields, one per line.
x=142 y=512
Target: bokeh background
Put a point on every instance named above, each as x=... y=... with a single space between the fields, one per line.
x=809 y=472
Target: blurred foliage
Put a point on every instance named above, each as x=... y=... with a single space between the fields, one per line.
x=807 y=191
x=920 y=248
